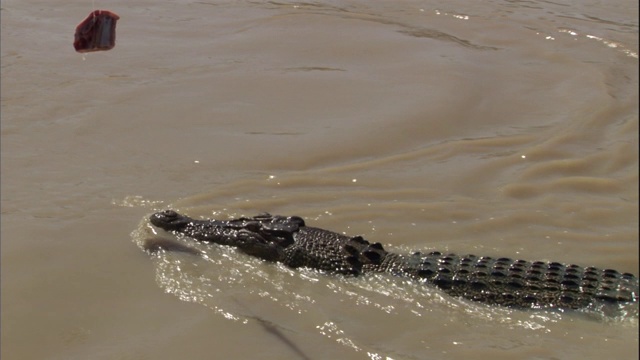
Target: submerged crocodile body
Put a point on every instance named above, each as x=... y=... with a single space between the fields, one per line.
x=500 y=281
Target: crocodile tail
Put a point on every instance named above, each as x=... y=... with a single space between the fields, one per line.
x=520 y=283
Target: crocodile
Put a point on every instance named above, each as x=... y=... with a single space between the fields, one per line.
x=494 y=281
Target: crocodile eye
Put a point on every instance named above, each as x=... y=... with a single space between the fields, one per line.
x=296 y=220
x=253 y=226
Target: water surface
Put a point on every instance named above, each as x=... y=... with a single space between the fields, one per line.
x=503 y=128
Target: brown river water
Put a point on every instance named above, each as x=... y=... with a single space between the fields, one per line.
x=500 y=128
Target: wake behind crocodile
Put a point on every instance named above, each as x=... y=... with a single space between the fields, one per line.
x=244 y=288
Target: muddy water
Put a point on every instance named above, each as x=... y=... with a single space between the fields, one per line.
x=503 y=128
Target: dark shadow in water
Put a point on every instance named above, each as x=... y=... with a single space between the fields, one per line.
x=272 y=329
x=153 y=245
x=439 y=35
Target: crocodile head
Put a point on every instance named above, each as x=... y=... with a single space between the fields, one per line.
x=264 y=236
x=169 y=220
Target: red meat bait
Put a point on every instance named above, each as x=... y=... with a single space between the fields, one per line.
x=97 y=32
